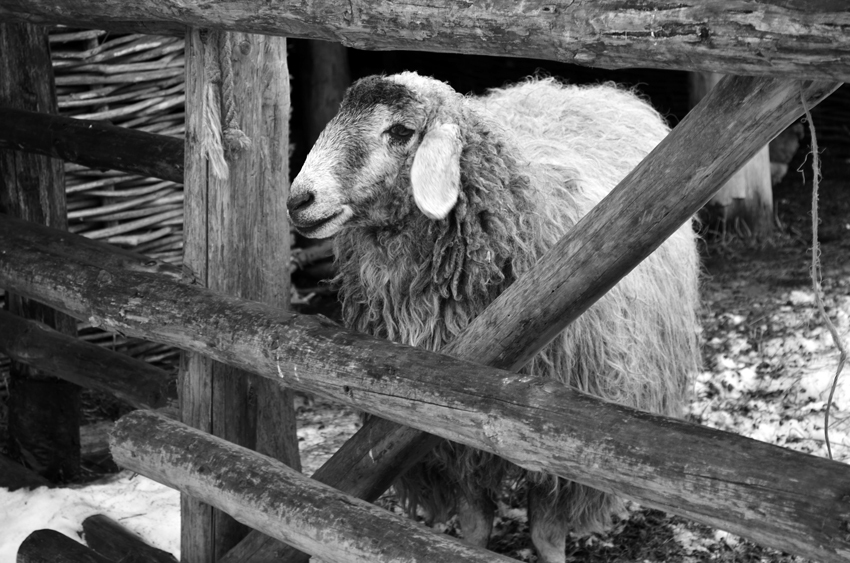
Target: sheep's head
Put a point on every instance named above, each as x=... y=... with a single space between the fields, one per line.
x=394 y=138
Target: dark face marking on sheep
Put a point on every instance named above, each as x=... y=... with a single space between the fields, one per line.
x=373 y=90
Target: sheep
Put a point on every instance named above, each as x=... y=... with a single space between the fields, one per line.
x=438 y=201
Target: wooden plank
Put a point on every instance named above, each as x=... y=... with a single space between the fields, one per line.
x=50 y=546
x=794 y=38
x=663 y=192
x=93 y=143
x=785 y=499
x=113 y=541
x=237 y=243
x=44 y=412
x=88 y=365
x=270 y=496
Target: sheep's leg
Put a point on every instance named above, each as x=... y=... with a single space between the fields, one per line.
x=475 y=511
x=548 y=524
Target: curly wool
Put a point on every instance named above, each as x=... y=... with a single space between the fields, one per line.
x=536 y=158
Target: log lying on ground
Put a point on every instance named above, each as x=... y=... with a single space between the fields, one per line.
x=117 y=543
x=782 y=498
x=750 y=37
x=50 y=546
x=93 y=143
x=88 y=365
x=660 y=194
x=269 y=496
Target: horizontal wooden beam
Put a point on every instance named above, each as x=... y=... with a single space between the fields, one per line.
x=93 y=143
x=88 y=365
x=794 y=38
x=271 y=497
x=775 y=496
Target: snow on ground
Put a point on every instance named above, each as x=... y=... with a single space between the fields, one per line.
x=770 y=374
x=142 y=506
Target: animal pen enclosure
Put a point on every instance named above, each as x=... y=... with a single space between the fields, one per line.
x=783 y=499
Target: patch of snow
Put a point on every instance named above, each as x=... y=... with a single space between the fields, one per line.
x=141 y=505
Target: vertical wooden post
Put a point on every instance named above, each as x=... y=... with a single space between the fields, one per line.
x=44 y=412
x=237 y=242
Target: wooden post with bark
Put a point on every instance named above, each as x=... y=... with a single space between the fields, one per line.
x=237 y=243
x=44 y=412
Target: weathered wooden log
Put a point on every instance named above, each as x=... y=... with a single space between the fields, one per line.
x=93 y=143
x=775 y=496
x=50 y=546
x=271 y=497
x=88 y=365
x=798 y=38
x=237 y=243
x=601 y=249
x=14 y=476
x=115 y=542
x=44 y=412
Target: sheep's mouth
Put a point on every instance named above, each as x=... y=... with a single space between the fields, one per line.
x=324 y=227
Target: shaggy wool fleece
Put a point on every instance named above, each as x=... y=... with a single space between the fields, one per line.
x=536 y=157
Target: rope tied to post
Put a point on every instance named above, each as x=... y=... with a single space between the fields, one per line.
x=221 y=138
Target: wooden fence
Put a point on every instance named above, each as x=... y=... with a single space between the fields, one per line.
x=784 y=499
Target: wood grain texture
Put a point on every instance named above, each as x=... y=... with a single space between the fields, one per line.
x=237 y=243
x=44 y=412
x=93 y=143
x=777 y=497
x=794 y=38
x=270 y=496
x=88 y=365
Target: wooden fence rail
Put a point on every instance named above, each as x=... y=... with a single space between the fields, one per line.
x=88 y=365
x=269 y=496
x=782 y=498
x=793 y=38
x=93 y=143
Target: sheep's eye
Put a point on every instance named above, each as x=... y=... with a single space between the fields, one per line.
x=399 y=132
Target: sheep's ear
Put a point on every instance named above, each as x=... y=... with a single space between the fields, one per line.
x=435 y=173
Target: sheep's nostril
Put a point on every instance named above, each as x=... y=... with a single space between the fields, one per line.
x=299 y=201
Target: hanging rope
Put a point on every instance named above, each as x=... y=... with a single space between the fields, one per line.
x=817 y=276
x=221 y=138
x=235 y=140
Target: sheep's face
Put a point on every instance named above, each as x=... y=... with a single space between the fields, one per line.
x=382 y=152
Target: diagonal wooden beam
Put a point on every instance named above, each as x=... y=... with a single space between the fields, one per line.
x=799 y=38
x=737 y=118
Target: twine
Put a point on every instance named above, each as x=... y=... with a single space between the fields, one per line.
x=816 y=274
x=221 y=138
